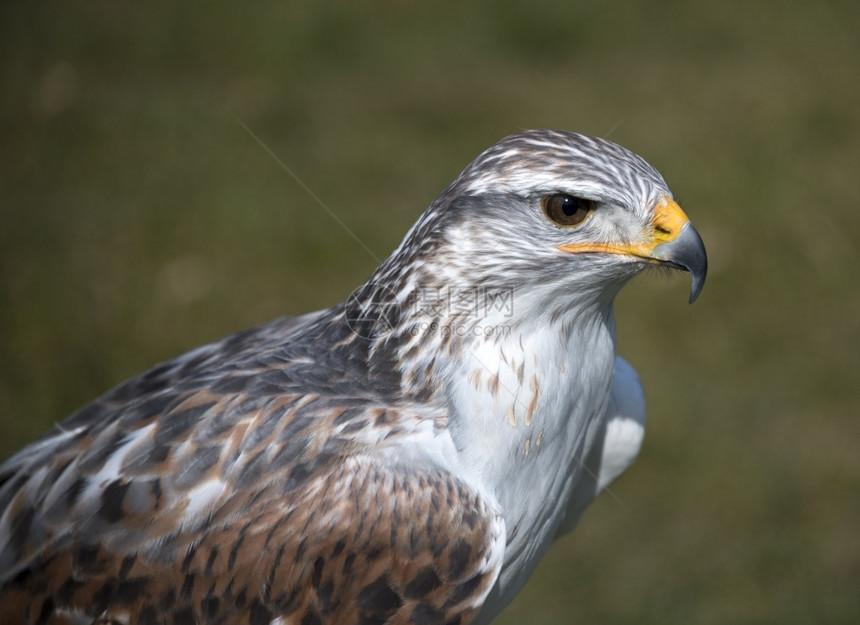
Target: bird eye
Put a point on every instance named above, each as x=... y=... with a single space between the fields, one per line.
x=566 y=210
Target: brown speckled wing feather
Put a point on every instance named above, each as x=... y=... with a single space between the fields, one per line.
x=222 y=487
x=363 y=544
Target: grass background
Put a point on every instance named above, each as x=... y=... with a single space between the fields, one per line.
x=138 y=220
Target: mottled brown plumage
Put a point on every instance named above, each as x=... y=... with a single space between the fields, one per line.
x=310 y=525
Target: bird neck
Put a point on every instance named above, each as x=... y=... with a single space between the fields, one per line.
x=531 y=386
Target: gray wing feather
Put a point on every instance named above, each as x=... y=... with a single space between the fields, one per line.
x=616 y=445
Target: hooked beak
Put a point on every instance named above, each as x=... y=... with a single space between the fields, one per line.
x=686 y=251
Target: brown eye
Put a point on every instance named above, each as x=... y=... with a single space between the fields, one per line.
x=566 y=210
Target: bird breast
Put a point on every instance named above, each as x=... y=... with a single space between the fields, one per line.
x=528 y=406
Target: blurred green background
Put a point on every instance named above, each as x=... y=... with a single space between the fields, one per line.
x=138 y=219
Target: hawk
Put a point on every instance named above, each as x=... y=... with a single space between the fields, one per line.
x=406 y=456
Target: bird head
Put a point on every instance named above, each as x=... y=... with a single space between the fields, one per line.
x=562 y=217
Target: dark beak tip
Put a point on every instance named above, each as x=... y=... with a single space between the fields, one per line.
x=698 y=283
x=697 y=263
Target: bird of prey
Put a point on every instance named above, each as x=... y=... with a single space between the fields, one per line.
x=406 y=456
